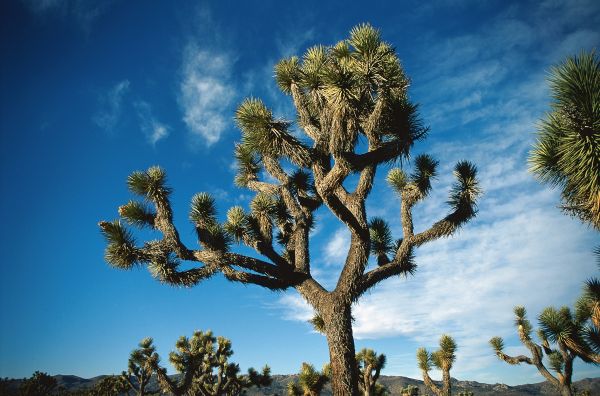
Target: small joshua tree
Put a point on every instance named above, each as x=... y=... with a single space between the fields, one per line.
x=112 y=385
x=442 y=359
x=38 y=384
x=140 y=366
x=355 y=90
x=409 y=390
x=555 y=324
x=369 y=367
x=310 y=381
x=203 y=363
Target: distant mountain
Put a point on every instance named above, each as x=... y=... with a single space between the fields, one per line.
x=393 y=383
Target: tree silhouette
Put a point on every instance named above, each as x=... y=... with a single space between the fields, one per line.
x=567 y=152
x=442 y=359
x=355 y=90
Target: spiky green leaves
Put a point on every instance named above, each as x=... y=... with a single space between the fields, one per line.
x=287 y=71
x=311 y=380
x=464 y=193
x=443 y=358
x=557 y=325
x=236 y=223
x=248 y=165
x=522 y=323
x=318 y=323
x=498 y=344
x=424 y=359
x=567 y=152
x=381 y=240
x=137 y=214
x=203 y=215
x=120 y=250
x=150 y=183
x=397 y=179
x=263 y=134
x=425 y=170
x=203 y=210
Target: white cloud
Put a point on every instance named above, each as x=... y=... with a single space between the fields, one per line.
x=336 y=249
x=111 y=104
x=152 y=128
x=206 y=94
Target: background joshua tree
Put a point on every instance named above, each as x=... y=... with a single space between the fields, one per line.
x=410 y=390
x=369 y=368
x=38 y=384
x=140 y=366
x=355 y=88
x=310 y=381
x=113 y=385
x=554 y=325
x=205 y=369
x=443 y=359
x=567 y=153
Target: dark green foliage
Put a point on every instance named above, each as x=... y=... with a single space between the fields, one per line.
x=425 y=170
x=38 y=384
x=120 y=251
x=381 y=240
x=113 y=385
x=567 y=153
x=410 y=390
x=151 y=183
x=465 y=192
x=137 y=214
x=310 y=381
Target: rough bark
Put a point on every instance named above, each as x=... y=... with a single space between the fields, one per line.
x=338 y=328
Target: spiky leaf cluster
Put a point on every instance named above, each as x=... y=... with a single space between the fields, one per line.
x=137 y=214
x=464 y=192
x=567 y=152
x=382 y=243
x=150 y=183
x=120 y=250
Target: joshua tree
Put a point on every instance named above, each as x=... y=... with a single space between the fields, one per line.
x=355 y=90
x=205 y=370
x=369 y=368
x=140 y=366
x=38 y=384
x=567 y=153
x=554 y=326
x=310 y=381
x=112 y=385
x=410 y=390
x=443 y=359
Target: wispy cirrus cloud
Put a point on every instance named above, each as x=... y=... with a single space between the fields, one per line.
x=207 y=89
x=206 y=94
x=111 y=106
x=153 y=129
x=83 y=12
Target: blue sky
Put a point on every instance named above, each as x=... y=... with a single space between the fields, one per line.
x=93 y=90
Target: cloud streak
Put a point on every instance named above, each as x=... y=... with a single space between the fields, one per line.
x=206 y=94
x=111 y=104
x=153 y=129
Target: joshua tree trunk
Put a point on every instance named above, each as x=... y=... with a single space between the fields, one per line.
x=338 y=330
